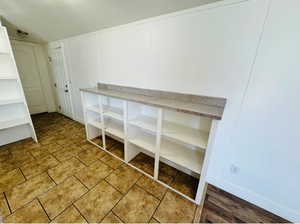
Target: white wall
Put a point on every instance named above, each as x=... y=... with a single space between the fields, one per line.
x=211 y=50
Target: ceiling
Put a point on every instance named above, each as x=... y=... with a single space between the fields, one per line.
x=50 y=20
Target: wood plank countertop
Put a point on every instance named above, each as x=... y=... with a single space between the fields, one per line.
x=212 y=107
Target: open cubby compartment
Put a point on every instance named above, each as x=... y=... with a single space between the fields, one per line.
x=186 y=128
x=92 y=102
x=7 y=68
x=13 y=115
x=142 y=116
x=94 y=135
x=115 y=146
x=180 y=162
x=94 y=128
x=140 y=158
x=10 y=90
x=142 y=138
x=4 y=44
x=113 y=107
x=94 y=119
x=114 y=128
x=141 y=148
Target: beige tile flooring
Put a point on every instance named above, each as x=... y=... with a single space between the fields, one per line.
x=65 y=179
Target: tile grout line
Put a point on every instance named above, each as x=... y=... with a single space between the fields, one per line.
x=80 y=212
x=113 y=186
x=74 y=175
x=10 y=210
x=159 y=205
x=23 y=174
x=51 y=177
x=160 y=200
x=148 y=192
x=43 y=208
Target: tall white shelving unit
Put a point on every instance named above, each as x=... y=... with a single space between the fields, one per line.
x=15 y=120
x=181 y=140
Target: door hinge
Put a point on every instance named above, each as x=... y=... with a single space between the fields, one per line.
x=59 y=107
x=49 y=59
x=55 y=85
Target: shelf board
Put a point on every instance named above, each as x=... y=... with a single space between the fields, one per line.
x=183 y=156
x=144 y=122
x=113 y=112
x=8 y=77
x=14 y=101
x=115 y=129
x=4 y=53
x=181 y=133
x=145 y=141
x=185 y=134
x=94 y=108
x=95 y=123
x=13 y=123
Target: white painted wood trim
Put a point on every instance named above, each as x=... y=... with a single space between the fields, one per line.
x=100 y=104
x=158 y=142
x=84 y=114
x=210 y=145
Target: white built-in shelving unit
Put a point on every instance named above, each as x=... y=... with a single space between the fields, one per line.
x=15 y=120
x=179 y=139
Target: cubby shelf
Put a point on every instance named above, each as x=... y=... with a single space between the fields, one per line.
x=186 y=134
x=95 y=109
x=13 y=101
x=178 y=132
x=178 y=139
x=114 y=128
x=95 y=123
x=113 y=112
x=144 y=122
x=144 y=141
x=13 y=123
x=183 y=156
x=8 y=77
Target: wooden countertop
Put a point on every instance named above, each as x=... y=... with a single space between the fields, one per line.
x=211 y=107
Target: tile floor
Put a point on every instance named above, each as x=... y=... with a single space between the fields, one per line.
x=65 y=179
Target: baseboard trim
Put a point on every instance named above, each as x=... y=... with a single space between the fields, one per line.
x=254 y=198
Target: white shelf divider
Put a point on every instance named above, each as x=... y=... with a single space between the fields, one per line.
x=13 y=123
x=115 y=129
x=144 y=122
x=8 y=77
x=14 y=101
x=183 y=156
x=185 y=134
x=94 y=108
x=95 y=123
x=144 y=141
x=113 y=112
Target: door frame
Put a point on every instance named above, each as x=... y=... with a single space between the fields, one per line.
x=55 y=46
x=42 y=68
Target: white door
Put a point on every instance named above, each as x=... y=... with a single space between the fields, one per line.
x=29 y=73
x=62 y=83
